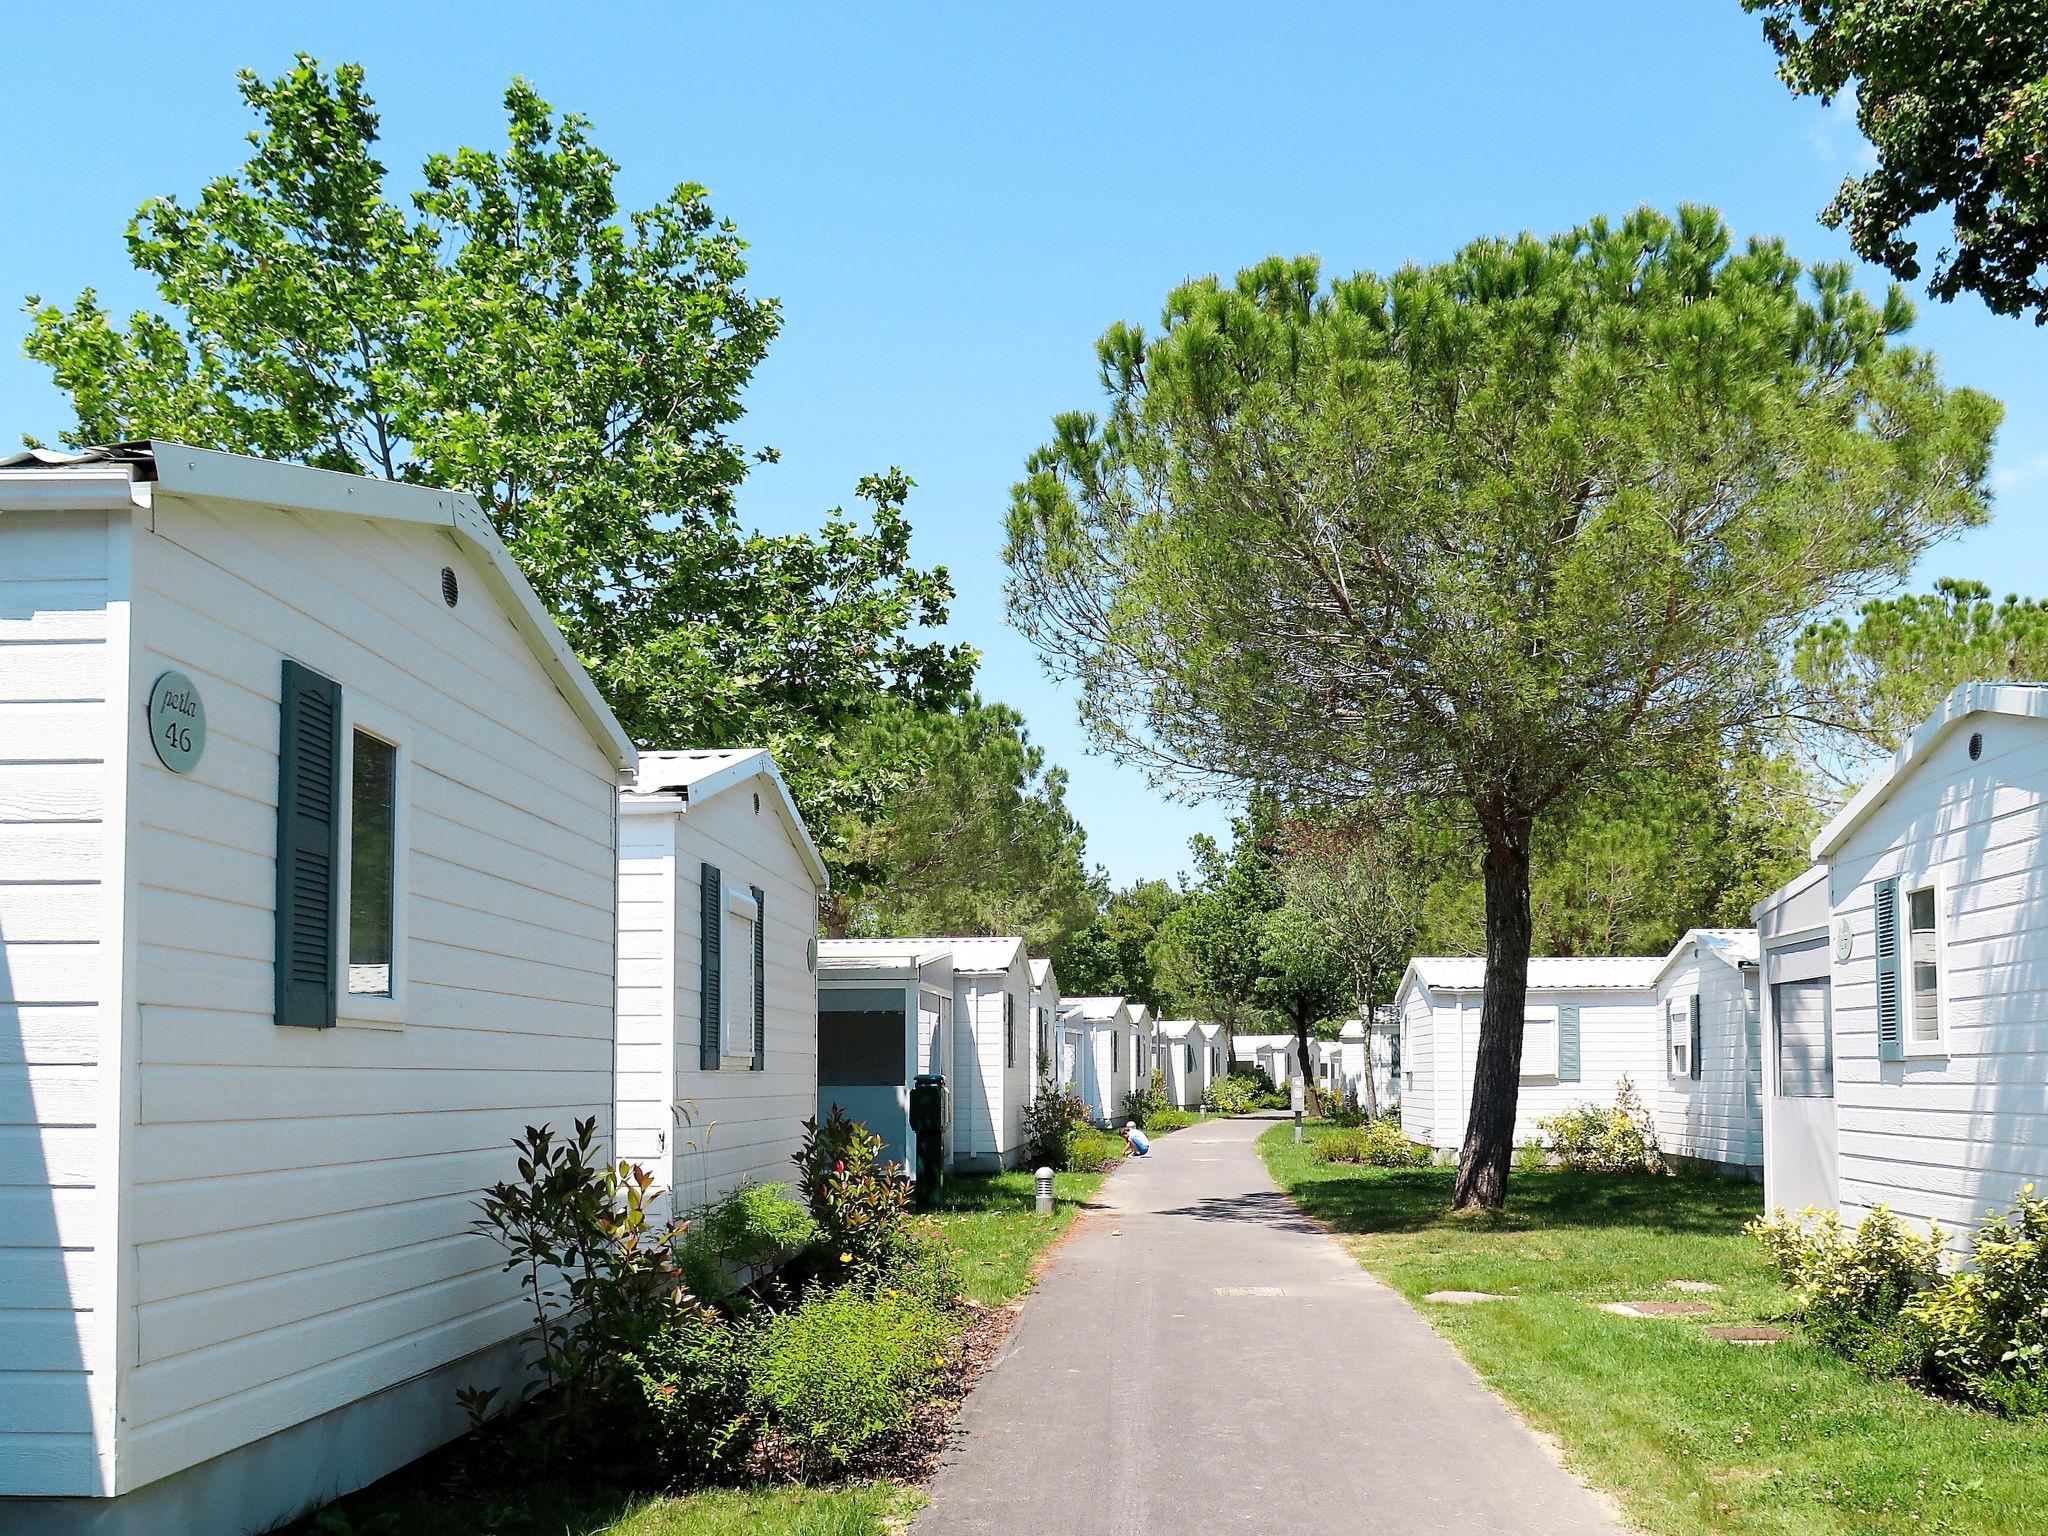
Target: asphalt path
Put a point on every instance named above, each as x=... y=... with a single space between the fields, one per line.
x=1198 y=1357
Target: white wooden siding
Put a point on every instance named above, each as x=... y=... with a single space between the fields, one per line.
x=62 y=659
x=1944 y=1137
x=648 y=1053
x=300 y=1197
x=1418 y=1056
x=1717 y=1117
x=744 y=1125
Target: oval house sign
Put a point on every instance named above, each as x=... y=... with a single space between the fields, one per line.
x=177 y=722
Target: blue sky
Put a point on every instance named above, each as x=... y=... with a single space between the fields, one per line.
x=953 y=201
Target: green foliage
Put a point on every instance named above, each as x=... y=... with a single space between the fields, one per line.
x=1051 y=1121
x=1618 y=1139
x=1376 y=1144
x=848 y=1367
x=1213 y=944
x=756 y=1226
x=1986 y=1327
x=599 y=1274
x=1162 y=1122
x=1140 y=1103
x=1853 y=1287
x=1117 y=952
x=697 y=1414
x=1869 y=683
x=861 y=1205
x=1953 y=94
x=576 y=366
x=1242 y=1090
x=977 y=839
x=1091 y=1150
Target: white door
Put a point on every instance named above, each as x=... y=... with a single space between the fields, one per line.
x=1802 y=1158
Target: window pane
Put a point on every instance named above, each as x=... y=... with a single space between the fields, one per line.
x=739 y=974
x=372 y=859
x=1806 y=1058
x=1921 y=950
x=860 y=1037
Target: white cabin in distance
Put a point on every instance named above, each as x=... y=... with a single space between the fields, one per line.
x=1094 y=1054
x=1708 y=1104
x=990 y=1079
x=718 y=999
x=308 y=871
x=885 y=1015
x=1045 y=1012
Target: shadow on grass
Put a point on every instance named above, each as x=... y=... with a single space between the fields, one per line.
x=1364 y=1200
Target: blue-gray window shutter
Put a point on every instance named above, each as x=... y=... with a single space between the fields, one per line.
x=1891 y=1038
x=760 y=978
x=1694 y=1009
x=1669 y=1038
x=710 y=939
x=1009 y=1029
x=308 y=847
x=1567 y=1043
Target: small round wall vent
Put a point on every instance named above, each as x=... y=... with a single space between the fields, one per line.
x=1976 y=745
x=451 y=590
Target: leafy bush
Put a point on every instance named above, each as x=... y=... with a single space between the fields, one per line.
x=1620 y=1139
x=1140 y=1104
x=1985 y=1329
x=1162 y=1122
x=847 y=1368
x=1093 y=1150
x=1050 y=1121
x=1378 y=1144
x=860 y=1204
x=1242 y=1090
x=1853 y=1288
x=755 y=1227
x=698 y=1416
x=599 y=1273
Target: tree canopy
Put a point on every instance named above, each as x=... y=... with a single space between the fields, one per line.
x=511 y=332
x=975 y=838
x=1495 y=531
x=1953 y=94
x=1870 y=681
x=1116 y=952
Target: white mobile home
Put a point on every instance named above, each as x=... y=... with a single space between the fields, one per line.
x=718 y=1001
x=1094 y=1057
x=1144 y=1051
x=1215 y=1056
x=1937 y=879
x=1801 y=1150
x=1588 y=1024
x=1184 y=1058
x=307 y=904
x=1707 y=1104
x=1045 y=1012
x=885 y=1015
x=990 y=1080
x=1352 y=1055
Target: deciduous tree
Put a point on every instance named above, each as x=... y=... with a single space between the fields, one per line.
x=1954 y=96
x=512 y=332
x=1491 y=531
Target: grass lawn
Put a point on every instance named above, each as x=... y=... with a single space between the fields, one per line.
x=546 y=1510
x=1690 y=1434
x=989 y=1221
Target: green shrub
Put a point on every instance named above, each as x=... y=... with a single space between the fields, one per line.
x=1050 y=1121
x=1163 y=1122
x=1093 y=1150
x=1378 y=1144
x=1620 y=1139
x=697 y=1411
x=1531 y=1158
x=860 y=1204
x=847 y=1368
x=1985 y=1328
x=1853 y=1288
x=1242 y=1090
x=755 y=1227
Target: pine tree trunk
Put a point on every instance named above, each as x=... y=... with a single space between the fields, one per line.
x=1369 y=1100
x=1489 y=1147
x=1308 y=1078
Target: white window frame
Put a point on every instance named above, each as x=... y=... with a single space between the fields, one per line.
x=1924 y=880
x=739 y=903
x=369 y=1010
x=1678 y=1028
x=1543 y=1016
